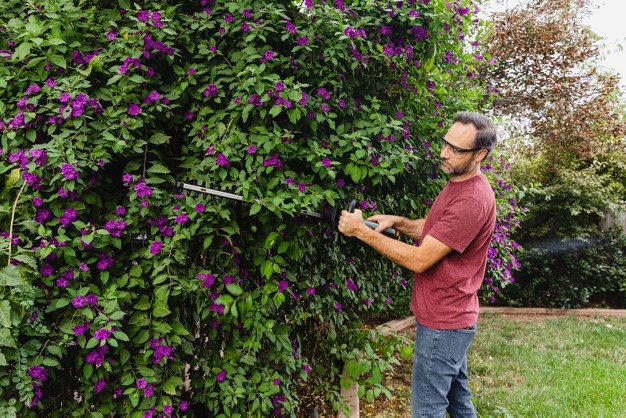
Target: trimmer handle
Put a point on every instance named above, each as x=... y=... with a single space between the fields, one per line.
x=390 y=232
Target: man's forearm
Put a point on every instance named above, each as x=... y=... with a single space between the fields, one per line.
x=412 y=228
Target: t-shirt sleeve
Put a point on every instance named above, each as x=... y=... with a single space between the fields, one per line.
x=460 y=223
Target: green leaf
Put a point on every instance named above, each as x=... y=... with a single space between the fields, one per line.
x=279 y=298
x=267 y=269
x=159 y=138
x=255 y=209
x=58 y=60
x=55 y=350
x=161 y=311
x=22 y=51
x=6 y=339
x=55 y=41
x=224 y=300
x=234 y=289
x=275 y=110
x=87 y=370
x=170 y=385
x=10 y=276
x=5 y=314
x=143 y=303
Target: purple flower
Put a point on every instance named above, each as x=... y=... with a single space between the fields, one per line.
x=115 y=227
x=127 y=177
x=141 y=383
x=221 y=376
x=37 y=372
x=167 y=409
x=78 y=301
x=351 y=285
x=303 y=40
x=184 y=405
x=322 y=92
x=200 y=208
x=222 y=160
x=207 y=279
x=102 y=334
x=46 y=270
x=99 y=386
x=162 y=351
x=156 y=247
x=69 y=172
x=326 y=162
x=303 y=101
x=134 y=109
x=218 y=308
x=148 y=391
x=338 y=306
x=182 y=219
x=310 y=291
x=211 y=90
x=252 y=149
x=268 y=56
x=276 y=382
x=142 y=189
x=92 y=299
x=80 y=329
x=97 y=356
x=282 y=285
x=153 y=97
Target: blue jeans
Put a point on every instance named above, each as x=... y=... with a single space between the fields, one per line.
x=440 y=373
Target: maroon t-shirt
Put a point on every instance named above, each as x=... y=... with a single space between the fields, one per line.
x=463 y=217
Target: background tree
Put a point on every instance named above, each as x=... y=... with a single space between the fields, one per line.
x=566 y=138
x=546 y=77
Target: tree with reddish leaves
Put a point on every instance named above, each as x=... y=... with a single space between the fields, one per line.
x=546 y=77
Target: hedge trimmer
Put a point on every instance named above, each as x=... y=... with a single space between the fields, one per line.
x=330 y=215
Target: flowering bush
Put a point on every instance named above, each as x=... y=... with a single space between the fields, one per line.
x=121 y=298
x=501 y=256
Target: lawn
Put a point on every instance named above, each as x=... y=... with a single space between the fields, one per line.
x=535 y=367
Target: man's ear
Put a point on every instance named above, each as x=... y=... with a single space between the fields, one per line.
x=487 y=151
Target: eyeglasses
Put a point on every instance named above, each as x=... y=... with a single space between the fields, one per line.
x=458 y=150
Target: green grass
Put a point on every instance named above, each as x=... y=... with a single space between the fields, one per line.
x=549 y=367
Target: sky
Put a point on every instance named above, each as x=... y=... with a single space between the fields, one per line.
x=606 y=20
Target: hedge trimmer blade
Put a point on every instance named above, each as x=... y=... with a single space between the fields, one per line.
x=331 y=215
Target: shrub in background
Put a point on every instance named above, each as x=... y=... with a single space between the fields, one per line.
x=573 y=273
x=120 y=298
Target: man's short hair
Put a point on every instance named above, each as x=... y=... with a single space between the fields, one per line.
x=485 y=130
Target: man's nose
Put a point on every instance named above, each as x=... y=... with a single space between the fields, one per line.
x=444 y=151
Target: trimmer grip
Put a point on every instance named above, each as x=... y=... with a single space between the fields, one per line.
x=390 y=232
x=353 y=205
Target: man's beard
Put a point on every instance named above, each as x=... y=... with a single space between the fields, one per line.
x=458 y=171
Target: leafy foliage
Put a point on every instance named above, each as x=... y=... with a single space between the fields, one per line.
x=571 y=273
x=546 y=78
x=120 y=298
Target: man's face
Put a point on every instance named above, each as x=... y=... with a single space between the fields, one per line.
x=455 y=162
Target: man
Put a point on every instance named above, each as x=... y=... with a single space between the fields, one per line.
x=449 y=267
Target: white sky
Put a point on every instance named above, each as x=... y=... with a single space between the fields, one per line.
x=607 y=20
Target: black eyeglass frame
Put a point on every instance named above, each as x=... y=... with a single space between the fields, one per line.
x=459 y=149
